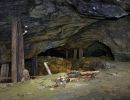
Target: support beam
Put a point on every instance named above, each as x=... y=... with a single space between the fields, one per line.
x=75 y=54
x=80 y=52
x=4 y=73
x=66 y=54
x=20 y=51
x=34 y=66
x=14 y=50
x=17 y=50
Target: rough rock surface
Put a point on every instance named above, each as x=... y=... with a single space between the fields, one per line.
x=123 y=3
x=51 y=23
x=98 y=8
x=115 y=34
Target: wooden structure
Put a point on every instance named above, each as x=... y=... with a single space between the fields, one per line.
x=47 y=68
x=17 y=50
x=4 y=74
x=75 y=53
x=34 y=66
x=80 y=52
x=67 y=54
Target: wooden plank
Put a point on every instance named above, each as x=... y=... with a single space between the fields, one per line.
x=4 y=72
x=80 y=52
x=14 y=50
x=17 y=50
x=67 y=54
x=89 y=72
x=47 y=68
x=20 y=51
x=34 y=66
x=5 y=78
x=75 y=54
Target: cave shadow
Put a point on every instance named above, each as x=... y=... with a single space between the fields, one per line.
x=54 y=52
x=95 y=49
x=98 y=49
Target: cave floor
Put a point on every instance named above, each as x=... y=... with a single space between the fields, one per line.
x=110 y=84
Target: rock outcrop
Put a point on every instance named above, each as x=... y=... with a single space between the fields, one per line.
x=98 y=8
x=125 y=4
x=113 y=33
x=54 y=23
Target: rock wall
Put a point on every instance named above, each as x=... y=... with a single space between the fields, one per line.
x=71 y=23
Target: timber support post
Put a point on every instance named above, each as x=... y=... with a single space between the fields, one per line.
x=34 y=66
x=17 y=51
x=14 y=50
x=67 y=54
x=21 y=65
x=80 y=53
x=75 y=53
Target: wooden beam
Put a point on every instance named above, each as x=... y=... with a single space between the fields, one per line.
x=47 y=68
x=67 y=54
x=4 y=72
x=75 y=54
x=34 y=66
x=14 y=50
x=80 y=52
x=17 y=50
x=20 y=51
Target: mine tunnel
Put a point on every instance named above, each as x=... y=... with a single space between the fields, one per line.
x=58 y=52
x=96 y=49
x=54 y=52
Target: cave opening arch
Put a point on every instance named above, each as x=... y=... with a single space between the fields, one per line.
x=98 y=49
x=54 y=52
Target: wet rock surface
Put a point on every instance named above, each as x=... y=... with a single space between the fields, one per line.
x=123 y=3
x=98 y=8
x=51 y=23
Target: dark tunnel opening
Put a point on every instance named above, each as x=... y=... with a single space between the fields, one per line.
x=54 y=52
x=98 y=49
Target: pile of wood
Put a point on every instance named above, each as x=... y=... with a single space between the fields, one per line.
x=76 y=75
x=89 y=74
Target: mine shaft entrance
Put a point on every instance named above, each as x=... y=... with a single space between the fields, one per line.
x=60 y=52
x=98 y=49
x=54 y=52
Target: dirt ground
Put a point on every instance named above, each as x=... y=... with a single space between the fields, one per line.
x=109 y=84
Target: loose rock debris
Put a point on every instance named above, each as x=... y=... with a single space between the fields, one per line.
x=25 y=76
x=71 y=76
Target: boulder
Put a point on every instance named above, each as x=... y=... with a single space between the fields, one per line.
x=25 y=75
